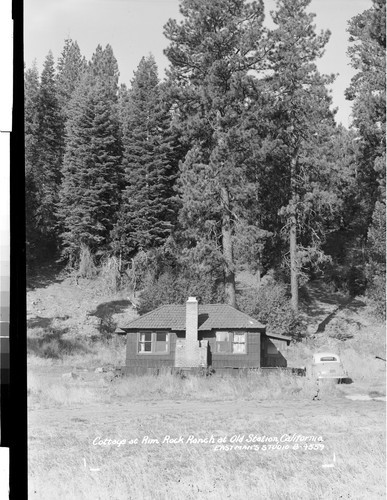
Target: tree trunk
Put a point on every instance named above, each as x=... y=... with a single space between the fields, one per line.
x=293 y=234
x=259 y=277
x=293 y=262
x=229 y=274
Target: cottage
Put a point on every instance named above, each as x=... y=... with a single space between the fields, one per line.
x=194 y=336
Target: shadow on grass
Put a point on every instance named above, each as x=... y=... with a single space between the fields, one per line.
x=109 y=308
x=349 y=304
x=39 y=322
x=53 y=345
x=319 y=297
x=105 y=313
x=41 y=276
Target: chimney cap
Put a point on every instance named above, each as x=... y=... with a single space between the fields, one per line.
x=191 y=299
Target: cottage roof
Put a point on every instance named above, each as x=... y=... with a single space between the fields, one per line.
x=211 y=316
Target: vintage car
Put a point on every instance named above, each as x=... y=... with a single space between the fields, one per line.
x=326 y=365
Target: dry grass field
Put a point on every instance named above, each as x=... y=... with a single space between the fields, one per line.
x=92 y=436
x=71 y=423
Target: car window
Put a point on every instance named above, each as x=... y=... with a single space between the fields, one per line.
x=328 y=358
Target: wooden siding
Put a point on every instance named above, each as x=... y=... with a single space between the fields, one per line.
x=271 y=353
x=136 y=362
x=257 y=347
x=249 y=360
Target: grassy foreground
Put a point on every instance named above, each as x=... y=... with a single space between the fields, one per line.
x=58 y=393
x=71 y=422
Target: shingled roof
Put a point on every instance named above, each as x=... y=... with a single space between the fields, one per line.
x=211 y=316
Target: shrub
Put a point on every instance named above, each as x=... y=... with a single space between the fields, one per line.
x=336 y=277
x=86 y=267
x=171 y=288
x=346 y=279
x=340 y=329
x=377 y=295
x=151 y=265
x=270 y=304
x=110 y=275
x=53 y=345
x=356 y=281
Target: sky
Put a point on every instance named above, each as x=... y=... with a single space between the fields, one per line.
x=134 y=28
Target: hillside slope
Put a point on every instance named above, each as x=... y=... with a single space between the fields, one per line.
x=62 y=310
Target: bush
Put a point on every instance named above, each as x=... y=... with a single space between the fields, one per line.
x=376 y=268
x=340 y=329
x=86 y=268
x=377 y=295
x=336 y=278
x=110 y=275
x=346 y=279
x=151 y=265
x=53 y=345
x=171 y=288
x=270 y=304
x=356 y=281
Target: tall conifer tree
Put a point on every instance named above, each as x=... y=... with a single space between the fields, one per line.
x=301 y=121
x=90 y=192
x=71 y=65
x=50 y=150
x=104 y=66
x=147 y=210
x=368 y=94
x=31 y=108
x=211 y=53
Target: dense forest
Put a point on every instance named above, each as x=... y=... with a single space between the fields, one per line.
x=233 y=162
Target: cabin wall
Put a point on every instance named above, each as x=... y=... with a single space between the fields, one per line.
x=271 y=353
x=260 y=352
x=251 y=359
x=137 y=363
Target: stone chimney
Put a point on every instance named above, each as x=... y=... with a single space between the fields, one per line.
x=190 y=353
x=191 y=319
x=191 y=331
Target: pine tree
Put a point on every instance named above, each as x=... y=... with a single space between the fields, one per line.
x=90 y=192
x=32 y=183
x=31 y=109
x=147 y=211
x=50 y=151
x=122 y=105
x=104 y=66
x=211 y=52
x=71 y=65
x=368 y=94
x=301 y=122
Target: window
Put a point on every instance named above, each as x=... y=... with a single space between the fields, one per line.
x=328 y=358
x=223 y=342
x=231 y=342
x=153 y=343
x=145 y=344
x=161 y=344
x=239 y=343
